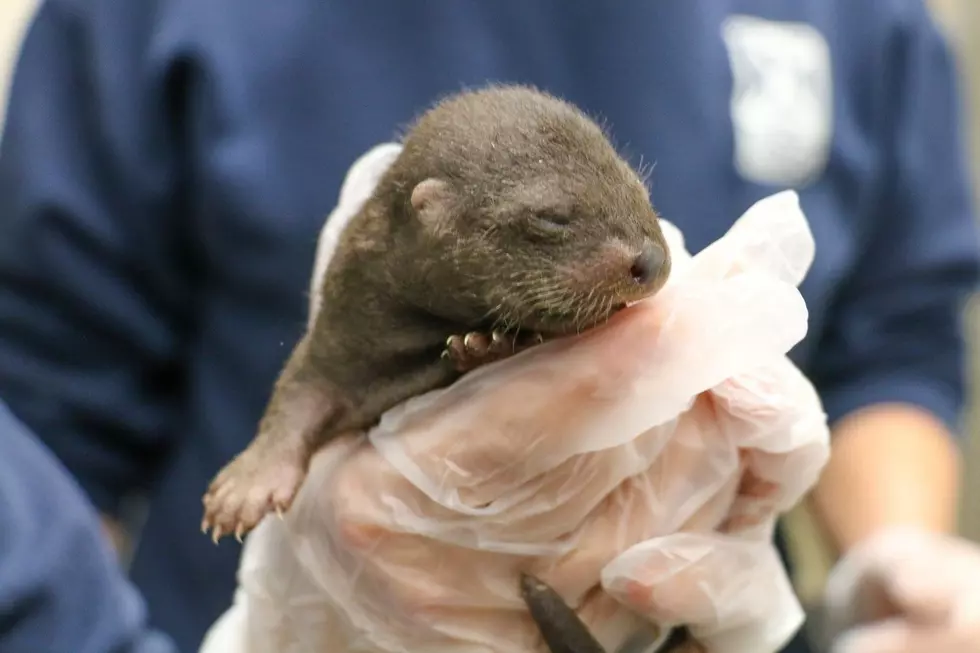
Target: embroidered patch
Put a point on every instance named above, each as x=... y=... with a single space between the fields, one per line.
x=782 y=100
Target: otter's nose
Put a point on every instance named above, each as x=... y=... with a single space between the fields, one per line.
x=648 y=264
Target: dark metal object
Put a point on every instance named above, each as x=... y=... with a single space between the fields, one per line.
x=564 y=632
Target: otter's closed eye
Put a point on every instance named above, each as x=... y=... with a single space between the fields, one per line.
x=550 y=221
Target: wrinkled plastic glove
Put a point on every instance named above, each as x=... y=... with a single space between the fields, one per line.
x=906 y=591
x=637 y=468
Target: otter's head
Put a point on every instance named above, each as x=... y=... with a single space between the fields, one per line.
x=528 y=214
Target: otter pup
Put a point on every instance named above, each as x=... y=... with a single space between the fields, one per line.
x=508 y=217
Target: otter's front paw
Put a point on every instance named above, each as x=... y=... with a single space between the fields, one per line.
x=475 y=349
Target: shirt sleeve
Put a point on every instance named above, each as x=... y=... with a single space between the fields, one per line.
x=895 y=330
x=91 y=271
x=61 y=589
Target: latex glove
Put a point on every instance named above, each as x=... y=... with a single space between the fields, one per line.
x=906 y=591
x=601 y=464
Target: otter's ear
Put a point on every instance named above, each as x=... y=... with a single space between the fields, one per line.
x=432 y=200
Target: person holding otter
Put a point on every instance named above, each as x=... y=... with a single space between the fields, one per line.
x=166 y=167
x=61 y=587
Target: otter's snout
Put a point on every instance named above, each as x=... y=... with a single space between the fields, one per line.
x=649 y=264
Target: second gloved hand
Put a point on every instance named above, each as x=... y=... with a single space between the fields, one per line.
x=906 y=591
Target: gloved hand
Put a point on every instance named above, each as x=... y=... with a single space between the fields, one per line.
x=906 y=591
x=637 y=468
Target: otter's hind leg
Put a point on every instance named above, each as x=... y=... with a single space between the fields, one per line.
x=268 y=473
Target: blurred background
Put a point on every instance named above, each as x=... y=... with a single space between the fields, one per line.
x=961 y=18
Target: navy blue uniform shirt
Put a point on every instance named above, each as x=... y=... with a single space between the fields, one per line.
x=167 y=165
x=61 y=587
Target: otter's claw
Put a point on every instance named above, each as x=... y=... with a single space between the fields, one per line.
x=499 y=341
x=474 y=349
